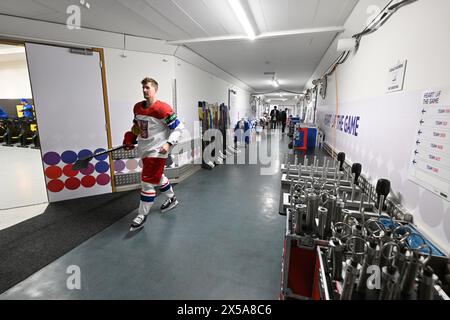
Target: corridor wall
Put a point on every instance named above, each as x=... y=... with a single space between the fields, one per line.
x=383 y=138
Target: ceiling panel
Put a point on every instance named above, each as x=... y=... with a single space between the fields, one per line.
x=114 y=16
x=220 y=11
x=293 y=59
x=148 y=12
x=202 y=15
x=24 y=8
x=275 y=14
x=301 y=14
x=177 y=15
x=333 y=13
x=35 y=9
x=258 y=15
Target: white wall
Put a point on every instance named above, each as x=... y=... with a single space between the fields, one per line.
x=124 y=76
x=14 y=80
x=419 y=33
x=194 y=84
x=144 y=58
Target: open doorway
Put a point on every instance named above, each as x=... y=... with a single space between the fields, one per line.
x=23 y=192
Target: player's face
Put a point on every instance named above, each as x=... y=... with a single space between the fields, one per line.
x=149 y=91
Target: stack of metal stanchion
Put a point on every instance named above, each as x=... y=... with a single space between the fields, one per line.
x=367 y=252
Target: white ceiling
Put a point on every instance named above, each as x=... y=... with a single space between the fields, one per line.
x=292 y=57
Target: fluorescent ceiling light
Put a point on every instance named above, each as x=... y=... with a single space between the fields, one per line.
x=242 y=17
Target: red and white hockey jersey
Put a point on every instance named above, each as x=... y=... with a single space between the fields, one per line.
x=158 y=124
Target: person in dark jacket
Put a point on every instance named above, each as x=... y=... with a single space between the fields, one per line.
x=274 y=115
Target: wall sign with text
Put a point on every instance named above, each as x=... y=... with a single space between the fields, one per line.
x=396 y=77
x=430 y=164
x=344 y=123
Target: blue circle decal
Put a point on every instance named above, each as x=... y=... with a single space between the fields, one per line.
x=84 y=154
x=102 y=167
x=69 y=156
x=101 y=157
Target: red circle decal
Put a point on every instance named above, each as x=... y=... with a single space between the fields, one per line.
x=72 y=183
x=69 y=172
x=88 y=181
x=55 y=186
x=53 y=172
x=103 y=179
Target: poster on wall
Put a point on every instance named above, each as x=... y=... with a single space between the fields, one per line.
x=396 y=77
x=430 y=164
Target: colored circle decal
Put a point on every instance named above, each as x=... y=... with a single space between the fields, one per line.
x=101 y=157
x=68 y=172
x=84 y=154
x=101 y=166
x=103 y=179
x=53 y=172
x=89 y=170
x=88 y=181
x=132 y=164
x=119 y=165
x=55 y=185
x=69 y=156
x=72 y=183
x=51 y=158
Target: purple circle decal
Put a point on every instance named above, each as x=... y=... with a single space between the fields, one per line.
x=101 y=157
x=69 y=156
x=119 y=165
x=89 y=170
x=51 y=158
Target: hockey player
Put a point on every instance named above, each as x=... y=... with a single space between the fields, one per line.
x=156 y=129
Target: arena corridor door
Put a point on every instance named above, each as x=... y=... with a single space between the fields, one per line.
x=71 y=109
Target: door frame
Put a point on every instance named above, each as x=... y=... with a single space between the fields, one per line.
x=105 y=95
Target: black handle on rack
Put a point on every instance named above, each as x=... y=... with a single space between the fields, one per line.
x=341 y=159
x=356 y=169
x=383 y=188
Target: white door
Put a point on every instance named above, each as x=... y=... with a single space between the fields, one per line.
x=68 y=95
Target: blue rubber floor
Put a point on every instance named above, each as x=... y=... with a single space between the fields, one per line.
x=224 y=241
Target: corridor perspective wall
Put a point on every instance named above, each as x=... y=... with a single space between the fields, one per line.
x=384 y=132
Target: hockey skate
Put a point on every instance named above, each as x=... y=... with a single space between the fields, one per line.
x=169 y=204
x=138 y=222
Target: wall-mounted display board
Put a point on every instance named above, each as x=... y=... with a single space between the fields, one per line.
x=430 y=164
